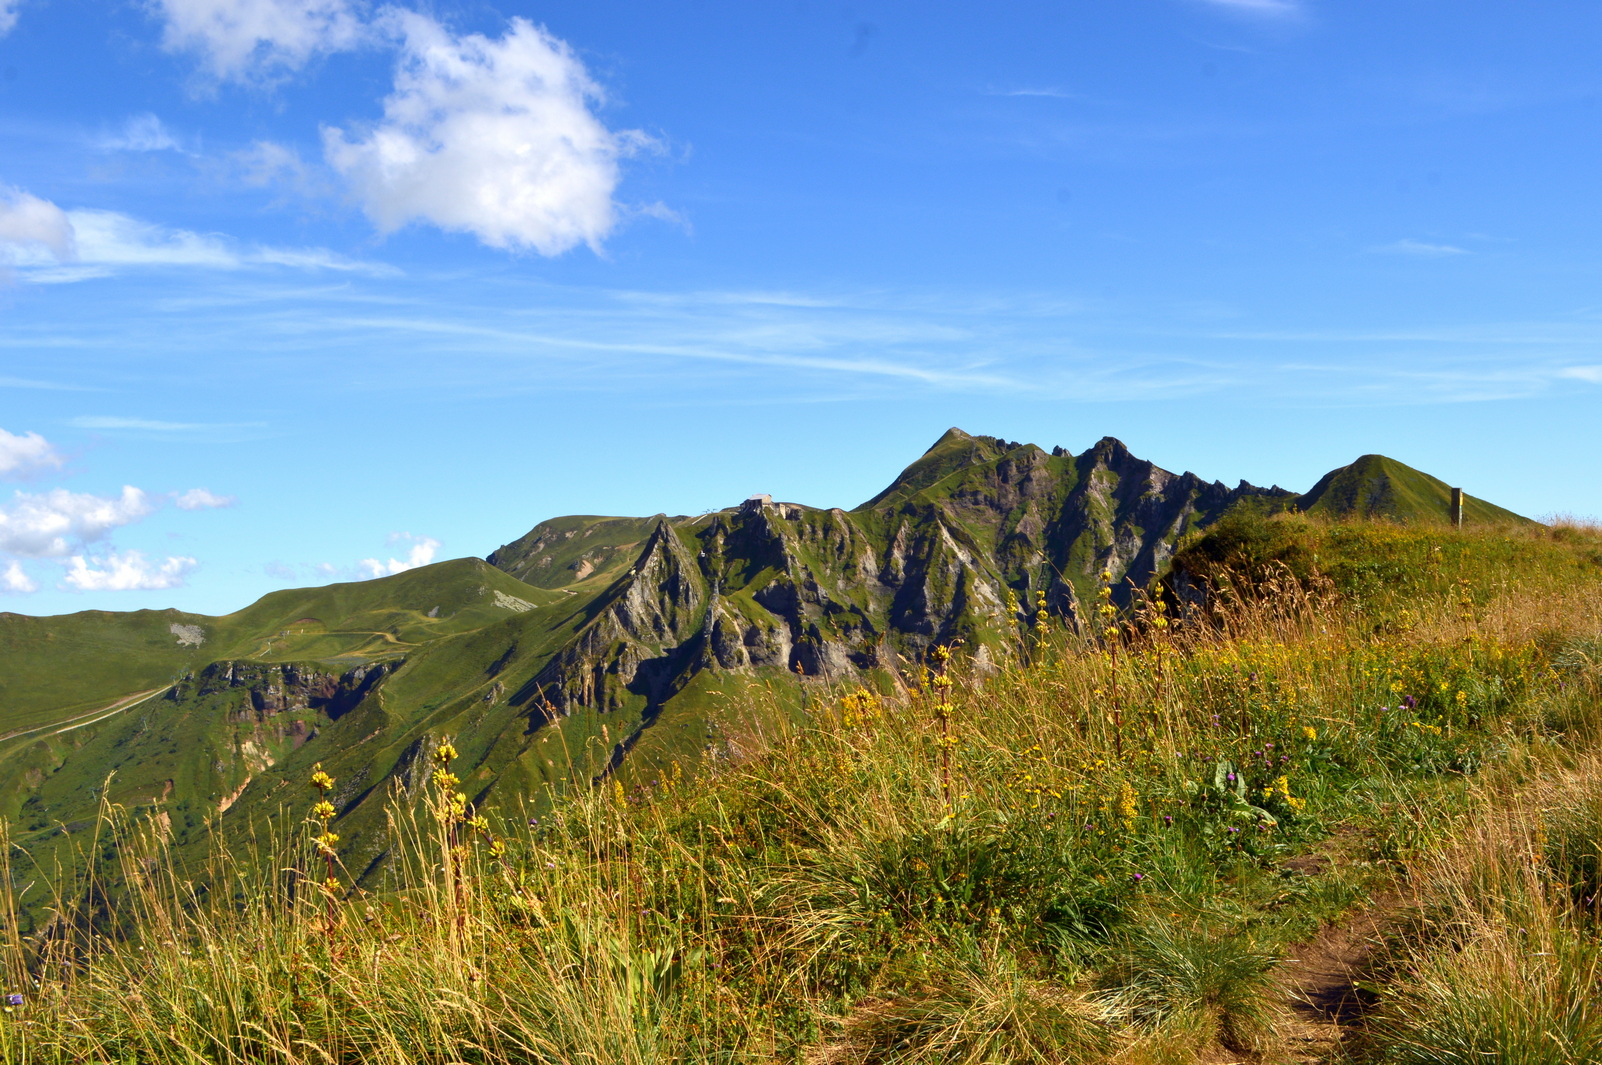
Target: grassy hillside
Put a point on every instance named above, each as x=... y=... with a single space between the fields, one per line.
x=611 y=649
x=1101 y=850
x=1378 y=487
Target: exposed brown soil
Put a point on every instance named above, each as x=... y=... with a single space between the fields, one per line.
x=1320 y=982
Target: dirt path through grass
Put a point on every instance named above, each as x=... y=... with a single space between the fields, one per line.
x=1321 y=982
x=88 y=717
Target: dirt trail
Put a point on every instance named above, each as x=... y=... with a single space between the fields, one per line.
x=1320 y=982
x=88 y=717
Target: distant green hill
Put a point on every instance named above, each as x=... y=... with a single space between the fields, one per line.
x=591 y=645
x=1378 y=487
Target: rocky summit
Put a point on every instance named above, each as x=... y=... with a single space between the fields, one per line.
x=595 y=646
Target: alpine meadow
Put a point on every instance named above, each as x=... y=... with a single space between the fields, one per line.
x=1033 y=757
x=594 y=532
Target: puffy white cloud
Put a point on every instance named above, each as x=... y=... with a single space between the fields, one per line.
x=14 y=580
x=201 y=499
x=8 y=15
x=58 y=522
x=27 y=453
x=247 y=40
x=141 y=133
x=32 y=229
x=421 y=554
x=126 y=572
x=490 y=137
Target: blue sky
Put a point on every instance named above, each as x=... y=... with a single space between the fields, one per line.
x=305 y=290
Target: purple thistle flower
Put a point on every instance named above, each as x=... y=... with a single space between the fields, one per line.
x=1140 y=876
x=1232 y=778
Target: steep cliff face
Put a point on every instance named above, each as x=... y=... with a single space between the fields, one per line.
x=276 y=688
x=955 y=549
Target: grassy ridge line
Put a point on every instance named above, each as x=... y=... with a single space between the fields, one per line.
x=57 y=667
x=1056 y=866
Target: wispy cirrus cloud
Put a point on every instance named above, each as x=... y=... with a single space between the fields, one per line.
x=1421 y=249
x=1266 y=8
x=1046 y=91
x=201 y=499
x=140 y=133
x=47 y=245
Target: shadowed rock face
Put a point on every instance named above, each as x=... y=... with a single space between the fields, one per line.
x=955 y=549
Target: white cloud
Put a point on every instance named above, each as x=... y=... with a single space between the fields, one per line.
x=32 y=229
x=126 y=572
x=201 y=499
x=14 y=580
x=113 y=239
x=1590 y=374
x=490 y=137
x=21 y=455
x=141 y=133
x=56 y=523
x=51 y=246
x=8 y=15
x=247 y=40
x=421 y=554
x=270 y=165
x=96 y=421
x=1420 y=248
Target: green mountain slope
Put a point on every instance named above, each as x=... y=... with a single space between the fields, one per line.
x=1378 y=487
x=590 y=646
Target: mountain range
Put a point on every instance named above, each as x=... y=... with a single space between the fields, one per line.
x=594 y=646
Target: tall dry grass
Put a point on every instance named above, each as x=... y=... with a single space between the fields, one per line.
x=1077 y=854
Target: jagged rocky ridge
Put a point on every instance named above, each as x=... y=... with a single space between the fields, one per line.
x=602 y=645
x=955 y=549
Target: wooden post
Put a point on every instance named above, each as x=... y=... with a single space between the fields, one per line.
x=1457 y=508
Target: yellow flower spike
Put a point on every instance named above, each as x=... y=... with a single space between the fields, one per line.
x=1310 y=732
x=445 y=780
x=332 y=886
x=497 y=848
x=321 y=780
x=323 y=810
x=444 y=754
